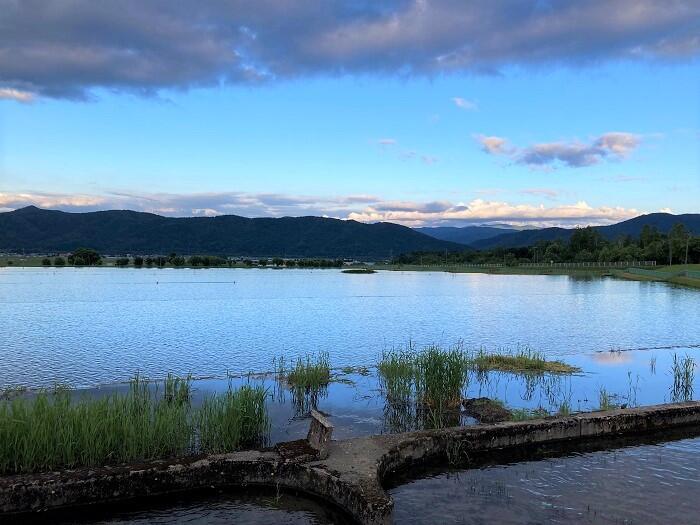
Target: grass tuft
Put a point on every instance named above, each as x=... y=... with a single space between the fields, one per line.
x=523 y=360
x=313 y=372
x=683 y=370
x=233 y=420
x=53 y=430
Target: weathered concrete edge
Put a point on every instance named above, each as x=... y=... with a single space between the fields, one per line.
x=350 y=477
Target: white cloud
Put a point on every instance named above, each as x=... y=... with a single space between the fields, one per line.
x=482 y=211
x=493 y=145
x=15 y=94
x=364 y=208
x=387 y=142
x=463 y=103
x=612 y=145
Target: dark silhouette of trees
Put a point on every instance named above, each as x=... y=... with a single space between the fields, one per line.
x=85 y=257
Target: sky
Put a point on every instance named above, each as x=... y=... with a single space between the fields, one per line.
x=424 y=113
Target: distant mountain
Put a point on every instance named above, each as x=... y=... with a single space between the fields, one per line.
x=464 y=235
x=32 y=229
x=662 y=221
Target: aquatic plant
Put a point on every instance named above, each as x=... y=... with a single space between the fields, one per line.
x=605 y=400
x=397 y=373
x=440 y=376
x=522 y=360
x=311 y=372
x=308 y=380
x=652 y=365
x=564 y=408
x=683 y=370
x=51 y=429
x=423 y=387
x=233 y=420
x=524 y=414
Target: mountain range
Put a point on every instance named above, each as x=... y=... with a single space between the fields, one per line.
x=486 y=238
x=36 y=230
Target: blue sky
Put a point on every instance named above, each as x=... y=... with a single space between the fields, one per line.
x=566 y=141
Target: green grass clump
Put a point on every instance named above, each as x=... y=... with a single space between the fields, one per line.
x=310 y=373
x=423 y=388
x=606 y=400
x=525 y=414
x=53 y=430
x=523 y=360
x=233 y=420
x=440 y=376
x=397 y=373
x=683 y=371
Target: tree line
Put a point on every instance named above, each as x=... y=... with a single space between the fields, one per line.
x=90 y=257
x=587 y=244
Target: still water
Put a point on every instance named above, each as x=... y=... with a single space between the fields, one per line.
x=93 y=326
x=638 y=485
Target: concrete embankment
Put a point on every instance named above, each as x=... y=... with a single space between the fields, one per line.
x=351 y=474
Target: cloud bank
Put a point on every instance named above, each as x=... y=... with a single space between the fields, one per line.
x=363 y=208
x=614 y=145
x=68 y=48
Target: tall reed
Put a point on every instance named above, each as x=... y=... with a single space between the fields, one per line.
x=233 y=420
x=52 y=430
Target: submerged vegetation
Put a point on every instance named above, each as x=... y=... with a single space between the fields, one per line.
x=52 y=430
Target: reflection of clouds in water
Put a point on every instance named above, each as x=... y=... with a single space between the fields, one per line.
x=612 y=358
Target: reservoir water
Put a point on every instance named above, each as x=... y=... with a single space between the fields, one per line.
x=90 y=326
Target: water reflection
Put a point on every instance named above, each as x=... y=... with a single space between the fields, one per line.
x=246 y=507
x=96 y=325
x=644 y=484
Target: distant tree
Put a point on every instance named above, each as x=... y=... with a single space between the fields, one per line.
x=679 y=239
x=138 y=261
x=262 y=262
x=59 y=261
x=290 y=263
x=85 y=257
x=149 y=261
x=177 y=261
x=248 y=262
x=10 y=262
x=585 y=239
x=46 y=261
x=277 y=261
x=649 y=235
x=122 y=262
x=160 y=261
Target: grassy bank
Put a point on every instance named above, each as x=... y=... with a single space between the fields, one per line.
x=54 y=430
x=501 y=270
x=667 y=274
